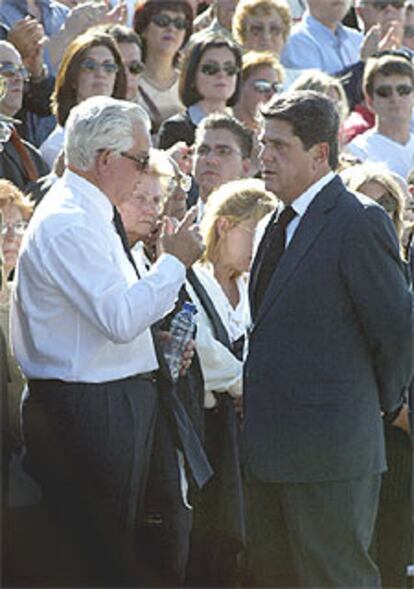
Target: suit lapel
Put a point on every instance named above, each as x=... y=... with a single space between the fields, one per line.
x=303 y=239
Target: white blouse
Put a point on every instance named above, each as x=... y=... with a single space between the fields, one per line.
x=222 y=371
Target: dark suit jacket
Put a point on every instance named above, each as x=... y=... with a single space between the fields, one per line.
x=11 y=166
x=330 y=346
x=177 y=128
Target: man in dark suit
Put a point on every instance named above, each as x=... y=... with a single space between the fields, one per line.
x=330 y=349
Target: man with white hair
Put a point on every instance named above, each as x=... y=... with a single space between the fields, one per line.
x=81 y=332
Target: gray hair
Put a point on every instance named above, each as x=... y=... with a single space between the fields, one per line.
x=101 y=122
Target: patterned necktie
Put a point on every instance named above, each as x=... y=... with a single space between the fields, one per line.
x=274 y=248
x=25 y=157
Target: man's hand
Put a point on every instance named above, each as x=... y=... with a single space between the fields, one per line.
x=188 y=354
x=183 y=241
x=28 y=36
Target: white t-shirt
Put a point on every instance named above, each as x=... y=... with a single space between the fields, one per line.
x=375 y=147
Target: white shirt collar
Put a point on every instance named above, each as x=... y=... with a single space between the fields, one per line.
x=301 y=204
x=90 y=194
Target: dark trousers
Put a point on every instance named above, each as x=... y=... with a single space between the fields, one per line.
x=89 y=447
x=392 y=543
x=164 y=535
x=311 y=534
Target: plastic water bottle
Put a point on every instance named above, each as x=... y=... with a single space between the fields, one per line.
x=182 y=330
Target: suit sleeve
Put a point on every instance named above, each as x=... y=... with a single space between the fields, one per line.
x=380 y=291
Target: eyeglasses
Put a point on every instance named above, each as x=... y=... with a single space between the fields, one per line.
x=9 y=70
x=211 y=69
x=382 y=5
x=257 y=30
x=388 y=202
x=135 y=67
x=265 y=87
x=140 y=162
x=163 y=21
x=17 y=228
x=91 y=65
x=387 y=91
x=219 y=151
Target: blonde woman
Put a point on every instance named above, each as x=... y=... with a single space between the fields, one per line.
x=218 y=285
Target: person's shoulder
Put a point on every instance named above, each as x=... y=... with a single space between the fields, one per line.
x=352 y=33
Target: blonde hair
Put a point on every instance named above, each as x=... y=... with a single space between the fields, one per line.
x=356 y=176
x=253 y=60
x=246 y=8
x=11 y=195
x=323 y=83
x=237 y=201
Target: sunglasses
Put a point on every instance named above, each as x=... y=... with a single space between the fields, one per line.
x=135 y=67
x=265 y=87
x=379 y=5
x=17 y=228
x=258 y=30
x=211 y=69
x=387 y=91
x=163 y=21
x=91 y=65
x=9 y=70
x=140 y=162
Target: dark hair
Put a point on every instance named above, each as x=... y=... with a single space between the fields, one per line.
x=146 y=9
x=64 y=96
x=313 y=117
x=187 y=89
x=123 y=34
x=242 y=134
x=386 y=64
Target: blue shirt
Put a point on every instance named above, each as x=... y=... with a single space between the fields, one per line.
x=312 y=45
x=54 y=15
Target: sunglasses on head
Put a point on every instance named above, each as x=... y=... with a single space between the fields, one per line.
x=211 y=69
x=380 y=5
x=91 y=65
x=265 y=87
x=387 y=91
x=164 y=21
x=135 y=67
x=9 y=70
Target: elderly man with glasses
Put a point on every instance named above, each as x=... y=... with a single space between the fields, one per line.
x=82 y=334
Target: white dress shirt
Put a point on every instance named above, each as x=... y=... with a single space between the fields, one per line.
x=78 y=312
x=222 y=371
x=300 y=206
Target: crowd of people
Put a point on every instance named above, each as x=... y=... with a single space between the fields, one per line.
x=254 y=158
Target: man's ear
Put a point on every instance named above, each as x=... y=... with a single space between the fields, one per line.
x=320 y=153
x=103 y=159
